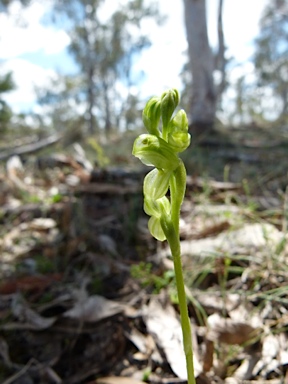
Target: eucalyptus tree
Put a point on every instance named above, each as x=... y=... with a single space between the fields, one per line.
x=62 y=104
x=104 y=48
x=4 y=4
x=271 y=52
x=203 y=62
x=6 y=85
x=6 y=80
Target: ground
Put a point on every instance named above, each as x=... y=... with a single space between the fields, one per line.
x=87 y=296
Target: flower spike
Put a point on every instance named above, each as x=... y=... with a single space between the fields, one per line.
x=160 y=148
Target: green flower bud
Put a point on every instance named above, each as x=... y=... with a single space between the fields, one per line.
x=179 y=140
x=157 y=207
x=152 y=150
x=178 y=136
x=179 y=121
x=151 y=115
x=155 y=228
x=156 y=183
x=169 y=101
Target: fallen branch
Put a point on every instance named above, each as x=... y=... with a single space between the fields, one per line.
x=30 y=148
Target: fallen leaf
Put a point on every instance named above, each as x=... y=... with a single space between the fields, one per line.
x=247 y=368
x=42 y=224
x=141 y=342
x=269 y=360
x=163 y=324
x=28 y=317
x=230 y=332
x=208 y=356
x=94 y=308
x=250 y=236
x=29 y=283
x=117 y=380
x=214 y=229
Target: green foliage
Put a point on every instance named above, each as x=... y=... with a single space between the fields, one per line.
x=61 y=99
x=56 y=198
x=146 y=374
x=6 y=85
x=144 y=274
x=96 y=285
x=44 y=264
x=5 y=112
x=4 y=4
x=104 y=50
x=102 y=159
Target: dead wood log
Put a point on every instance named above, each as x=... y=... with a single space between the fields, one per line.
x=30 y=148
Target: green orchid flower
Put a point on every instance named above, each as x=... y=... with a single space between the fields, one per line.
x=156 y=183
x=160 y=148
x=151 y=115
x=152 y=150
x=178 y=136
x=169 y=101
x=157 y=209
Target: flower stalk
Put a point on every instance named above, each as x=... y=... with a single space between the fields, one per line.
x=160 y=148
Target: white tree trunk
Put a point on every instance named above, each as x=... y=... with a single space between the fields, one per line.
x=220 y=57
x=203 y=106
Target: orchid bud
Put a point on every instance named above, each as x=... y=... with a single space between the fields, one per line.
x=179 y=141
x=178 y=136
x=155 y=228
x=152 y=150
x=157 y=207
x=180 y=121
x=151 y=115
x=156 y=183
x=169 y=101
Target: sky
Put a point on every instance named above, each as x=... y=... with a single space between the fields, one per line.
x=35 y=52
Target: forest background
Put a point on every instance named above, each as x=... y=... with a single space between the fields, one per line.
x=84 y=289
x=111 y=55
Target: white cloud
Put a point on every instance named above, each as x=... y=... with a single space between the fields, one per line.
x=56 y=41
x=26 y=76
x=163 y=61
x=21 y=32
x=160 y=74
x=240 y=25
x=28 y=36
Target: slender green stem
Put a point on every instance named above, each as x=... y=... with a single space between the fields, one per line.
x=177 y=192
x=174 y=243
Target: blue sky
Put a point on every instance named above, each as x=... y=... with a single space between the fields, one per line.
x=61 y=61
x=35 y=52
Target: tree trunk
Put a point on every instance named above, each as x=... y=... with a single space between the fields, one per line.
x=203 y=106
x=220 y=58
x=91 y=101
x=107 y=101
